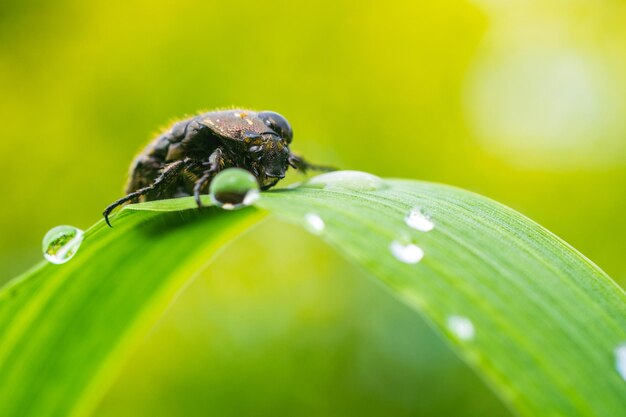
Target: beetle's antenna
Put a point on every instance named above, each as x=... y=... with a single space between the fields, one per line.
x=300 y=164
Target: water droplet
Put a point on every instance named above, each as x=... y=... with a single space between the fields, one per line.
x=418 y=219
x=234 y=188
x=461 y=327
x=61 y=243
x=314 y=223
x=350 y=180
x=620 y=360
x=406 y=252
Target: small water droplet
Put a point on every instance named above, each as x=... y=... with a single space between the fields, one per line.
x=620 y=360
x=408 y=253
x=234 y=188
x=350 y=180
x=461 y=327
x=61 y=243
x=418 y=219
x=314 y=223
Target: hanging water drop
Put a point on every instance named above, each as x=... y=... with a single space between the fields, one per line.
x=61 y=243
x=417 y=218
x=461 y=327
x=408 y=253
x=349 y=180
x=234 y=188
x=314 y=223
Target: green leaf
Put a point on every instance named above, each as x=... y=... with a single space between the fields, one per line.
x=546 y=319
x=533 y=317
x=64 y=329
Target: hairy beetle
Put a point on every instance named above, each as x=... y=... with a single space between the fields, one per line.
x=183 y=160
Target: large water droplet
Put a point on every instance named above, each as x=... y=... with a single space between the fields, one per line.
x=314 y=223
x=234 y=188
x=61 y=243
x=418 y=219
x=620 y=360
x=350 y=180
x=408 y=253
x=461 y=327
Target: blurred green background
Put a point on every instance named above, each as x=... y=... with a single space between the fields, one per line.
x=522 y=101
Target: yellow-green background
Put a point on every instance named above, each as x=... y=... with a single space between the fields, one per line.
x=522 y=101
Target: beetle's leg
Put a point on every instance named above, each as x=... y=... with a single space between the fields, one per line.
x=214 y=163
x=164 y=179
x=199 y=185
x=117 y=203
x=299 y=163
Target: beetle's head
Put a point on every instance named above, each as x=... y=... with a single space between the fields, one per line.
x=268 y=150
x=270 y=159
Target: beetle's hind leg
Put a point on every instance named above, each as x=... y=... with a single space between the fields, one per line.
x=297 y=162
x=117 y=203
x=164 y=180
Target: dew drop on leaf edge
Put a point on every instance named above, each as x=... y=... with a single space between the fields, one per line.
x=347 y=180
x=234 y=188
x=620 y=360
x=61 y=243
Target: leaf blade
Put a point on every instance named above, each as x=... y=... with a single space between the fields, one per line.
x=65 y=328
x=546 y=319
x=529 y=294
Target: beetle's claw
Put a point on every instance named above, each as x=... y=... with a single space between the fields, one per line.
x=106 y=219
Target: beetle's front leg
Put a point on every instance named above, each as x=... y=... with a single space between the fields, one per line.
x=214 y=165
x=297 y=162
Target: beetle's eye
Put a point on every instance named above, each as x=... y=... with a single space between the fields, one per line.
x=278 y=124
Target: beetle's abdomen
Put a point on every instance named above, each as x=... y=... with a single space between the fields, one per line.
x=147 y=166
x=143 y=172
x=185 y=139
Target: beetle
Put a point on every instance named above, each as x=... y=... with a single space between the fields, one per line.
x=183 y=160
